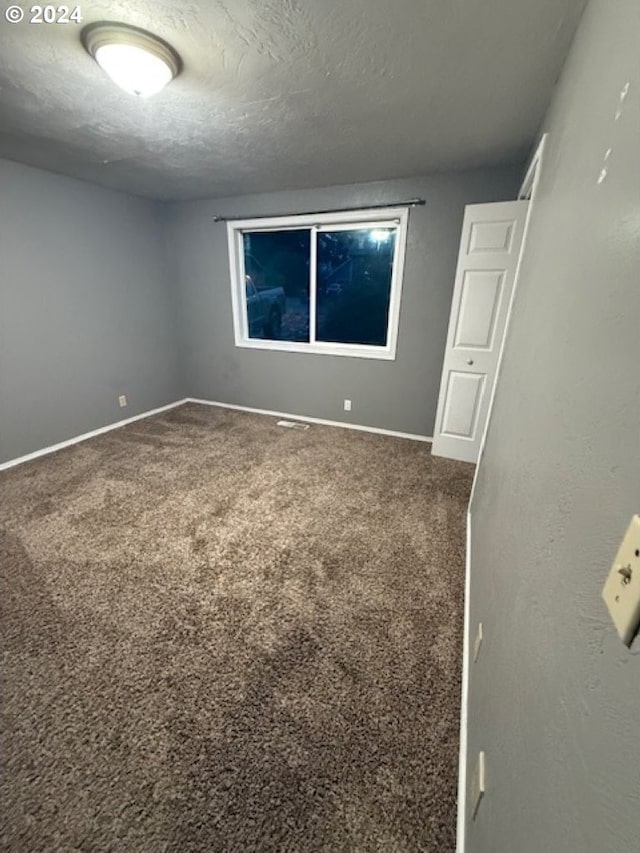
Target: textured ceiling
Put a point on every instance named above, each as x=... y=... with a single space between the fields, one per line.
x=281 y=94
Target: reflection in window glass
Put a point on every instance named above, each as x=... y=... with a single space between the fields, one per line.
x=354 y=285
x=276 y=265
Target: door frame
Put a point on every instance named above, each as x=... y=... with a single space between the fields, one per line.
x=528 y=190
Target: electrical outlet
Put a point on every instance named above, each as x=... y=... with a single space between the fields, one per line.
x=621 y=591
x=478 y=784
x=347 y=405
x=122 y=399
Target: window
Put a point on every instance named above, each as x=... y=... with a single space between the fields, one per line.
x=326 y=283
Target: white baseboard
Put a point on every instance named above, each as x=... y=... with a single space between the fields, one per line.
x=306 y=419
x=464 y=699
x=78 y=438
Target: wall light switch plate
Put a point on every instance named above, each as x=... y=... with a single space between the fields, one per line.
x=621 y=591
x=478 y=784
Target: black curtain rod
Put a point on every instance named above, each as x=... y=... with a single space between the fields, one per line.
x=412 y=202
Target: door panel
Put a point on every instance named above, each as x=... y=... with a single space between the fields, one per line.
x=489 y=251
x=479 y=303
x=490 y=236
x=462 y=403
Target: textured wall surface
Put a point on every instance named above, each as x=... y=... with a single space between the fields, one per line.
x=279 y=94
x=555 y=696
x=86 y=312
x=399 y=395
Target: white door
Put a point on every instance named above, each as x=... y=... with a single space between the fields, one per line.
x=489 y=251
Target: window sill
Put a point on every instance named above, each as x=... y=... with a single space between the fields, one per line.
x=349 y=350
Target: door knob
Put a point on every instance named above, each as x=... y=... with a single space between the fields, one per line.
x=470 y=361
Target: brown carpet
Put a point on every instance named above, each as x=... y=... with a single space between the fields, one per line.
x=221 y=635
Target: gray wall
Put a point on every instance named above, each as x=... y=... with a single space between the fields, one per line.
x=86 y=311
x=555 y=696
x=105 y=294
x=399 y=395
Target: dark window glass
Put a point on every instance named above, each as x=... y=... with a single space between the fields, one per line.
x=276 y=265
x=354 y=285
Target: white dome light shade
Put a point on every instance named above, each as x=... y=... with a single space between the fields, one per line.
x=133 y=69
x=137 y=61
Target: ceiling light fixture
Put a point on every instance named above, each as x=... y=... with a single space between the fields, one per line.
x=137 y=61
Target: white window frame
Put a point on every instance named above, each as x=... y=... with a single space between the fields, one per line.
x=397 y=217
